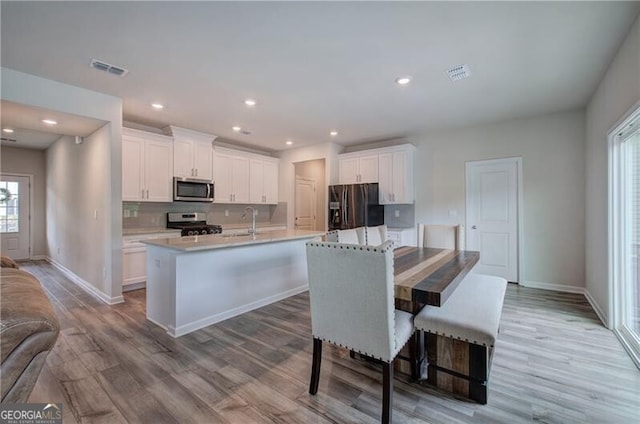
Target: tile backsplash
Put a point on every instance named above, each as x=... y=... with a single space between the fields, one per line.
x=406 y=216
x=153 y=215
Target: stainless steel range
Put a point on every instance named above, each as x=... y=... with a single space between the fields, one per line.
x=192 y=223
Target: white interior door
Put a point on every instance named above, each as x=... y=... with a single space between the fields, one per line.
x=14 y=216
x=305 y=211
x=493 y=215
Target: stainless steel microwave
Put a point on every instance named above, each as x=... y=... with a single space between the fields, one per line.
x=192 y=190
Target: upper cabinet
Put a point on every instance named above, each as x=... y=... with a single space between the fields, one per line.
x=396 y=175
x=242 y=177
x=359 y=167
x=192 y=153
x=390 y=167
x=263 y=180
x=147 y=160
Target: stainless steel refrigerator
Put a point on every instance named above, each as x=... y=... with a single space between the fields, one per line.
x=354 y=205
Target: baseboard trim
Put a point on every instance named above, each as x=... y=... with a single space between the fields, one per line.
x=85 y=285
x=38 y=258
x=555 y=287
x=596 y=307
x=134 y=286
x=630 y=345
x=204 y=322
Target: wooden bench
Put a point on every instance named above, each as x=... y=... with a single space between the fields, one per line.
x=460 y=336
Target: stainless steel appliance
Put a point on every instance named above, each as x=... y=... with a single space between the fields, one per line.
x=192 y=223
x=192 y=190
x=354 y=205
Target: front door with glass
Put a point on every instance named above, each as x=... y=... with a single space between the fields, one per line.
x=14 y=216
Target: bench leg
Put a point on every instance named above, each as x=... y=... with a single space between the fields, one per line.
x=479 y=373
x=458 y=367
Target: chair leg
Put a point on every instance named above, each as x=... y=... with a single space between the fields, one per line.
x=387 y=392
x=315 y=366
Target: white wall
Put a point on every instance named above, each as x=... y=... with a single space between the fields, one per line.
x=32 y=162
x=618 y=91
x=35 y=91
x=77 y=209
x=287 y=177
x=552 y=149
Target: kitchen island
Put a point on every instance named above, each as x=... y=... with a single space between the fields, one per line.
x=193 y=282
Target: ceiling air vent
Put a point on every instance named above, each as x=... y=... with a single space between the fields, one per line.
x=459 y=72
x=108 y=68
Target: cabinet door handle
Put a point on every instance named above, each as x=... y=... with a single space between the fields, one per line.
x=196 y=172
x=142 y=194
x=147 y=193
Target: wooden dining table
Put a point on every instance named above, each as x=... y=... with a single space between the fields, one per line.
x=426 y=276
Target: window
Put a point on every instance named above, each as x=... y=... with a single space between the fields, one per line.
x=624 y=232
x=9 y=210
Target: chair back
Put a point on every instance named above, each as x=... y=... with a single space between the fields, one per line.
x=375 y=236
x=352 y=296
x=353 y=236
x=441 y=236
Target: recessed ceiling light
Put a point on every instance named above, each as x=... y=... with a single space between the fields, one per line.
x=403 y=80
x=289 y=142
x=7 y=130
x=250 y=102
x=333 y=133
x=157 y=106
x=49 y=121
x=236 y=128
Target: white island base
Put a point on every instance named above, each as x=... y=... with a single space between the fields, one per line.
x=191 y=288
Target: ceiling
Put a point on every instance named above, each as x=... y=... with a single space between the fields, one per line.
x=318 y=66
x=30 y=132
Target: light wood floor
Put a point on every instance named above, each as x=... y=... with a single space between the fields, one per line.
x=554 y=363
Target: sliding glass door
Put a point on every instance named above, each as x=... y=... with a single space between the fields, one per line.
x=624 y=229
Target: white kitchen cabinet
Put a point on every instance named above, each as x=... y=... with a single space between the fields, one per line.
x=134 y=259
x=134 y=266
x=231 y=176
x=396 y=176
x=402 y=236
x=355 y=168
x=147 y=161
x=192 y=153
x=263 y=181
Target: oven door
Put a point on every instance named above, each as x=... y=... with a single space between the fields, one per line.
x=192 y=190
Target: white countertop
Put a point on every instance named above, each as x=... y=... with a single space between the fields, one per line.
x=220 y=241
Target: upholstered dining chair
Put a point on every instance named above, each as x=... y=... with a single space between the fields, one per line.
x=352 y=305
x=441 y=236
x=375 y=236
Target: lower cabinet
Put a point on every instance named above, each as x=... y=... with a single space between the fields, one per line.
x=134 y=259
x=134 y=266
x=402 y=236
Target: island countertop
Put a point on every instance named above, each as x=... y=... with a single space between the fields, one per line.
x=222 y=241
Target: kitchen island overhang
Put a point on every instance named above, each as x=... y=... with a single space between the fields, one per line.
x=193 y=282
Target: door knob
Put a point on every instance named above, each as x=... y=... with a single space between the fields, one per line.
x=473 y=227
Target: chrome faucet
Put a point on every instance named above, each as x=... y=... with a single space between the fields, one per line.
x=252 y=230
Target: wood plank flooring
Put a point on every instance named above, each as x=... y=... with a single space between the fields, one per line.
x=554 y=363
